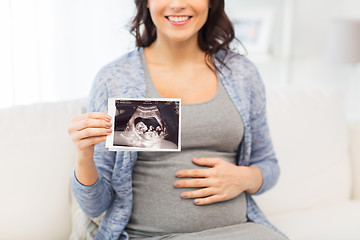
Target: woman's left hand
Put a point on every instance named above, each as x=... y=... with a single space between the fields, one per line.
x=222 y=181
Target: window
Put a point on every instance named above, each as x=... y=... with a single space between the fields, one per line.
x=51 y=50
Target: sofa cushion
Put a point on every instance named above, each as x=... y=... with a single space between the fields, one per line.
x=37 y=159
x=309 y=133
x=330 y=222
x=354 y=137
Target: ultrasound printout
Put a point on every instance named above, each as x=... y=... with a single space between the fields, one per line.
x=145 y=124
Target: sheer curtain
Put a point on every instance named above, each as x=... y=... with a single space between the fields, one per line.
x=51 y=50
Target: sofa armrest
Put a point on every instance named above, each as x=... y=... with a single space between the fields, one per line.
x=354 y=147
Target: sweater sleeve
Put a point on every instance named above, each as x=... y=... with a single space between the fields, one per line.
x=95 y=199
x=262 y=151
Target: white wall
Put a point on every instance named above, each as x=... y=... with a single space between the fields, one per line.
x=310 y=19
x=308 y=64
x=89 y=35
x=82 y=36
x=51 y=50
x=297 y=53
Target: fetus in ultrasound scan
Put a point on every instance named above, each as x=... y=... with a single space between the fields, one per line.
x=145 y=129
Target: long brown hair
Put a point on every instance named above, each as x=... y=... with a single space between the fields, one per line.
x=216 y=34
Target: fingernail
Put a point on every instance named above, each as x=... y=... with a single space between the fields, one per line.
x=109 y=130
x=196 y=201
x=108 y=117
x=178 y=174
x=176 y=184
x=184 y=195
x=108 y=124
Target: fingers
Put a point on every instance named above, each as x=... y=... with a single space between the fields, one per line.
x=89 y=142
x=209 y=162
x=90 y=132
x=201 y=193
x=196 y=173
x=210 y=200
x=193 y=173
x=92 y=115
x=192 y=183
x=220 y=182
x=90 y=120
x=90 y=123
x=204 y=196
x=88 y=129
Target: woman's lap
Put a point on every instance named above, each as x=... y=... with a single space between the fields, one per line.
x=244 y=231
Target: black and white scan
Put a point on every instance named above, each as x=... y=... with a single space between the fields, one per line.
x=147 y=125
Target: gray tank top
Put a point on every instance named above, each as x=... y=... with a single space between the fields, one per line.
x=209 y=129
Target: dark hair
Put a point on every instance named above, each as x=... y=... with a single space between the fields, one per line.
x=216 y=34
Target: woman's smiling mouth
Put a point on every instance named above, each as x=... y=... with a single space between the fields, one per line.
x=178 y=20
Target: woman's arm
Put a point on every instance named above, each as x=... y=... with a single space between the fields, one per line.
x=91 y=183
x=87 y=130
x=262 y=152
x=255 y=180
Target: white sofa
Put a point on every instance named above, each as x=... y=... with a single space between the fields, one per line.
x=317 y=197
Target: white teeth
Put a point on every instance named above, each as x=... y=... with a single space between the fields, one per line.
x=178 y=19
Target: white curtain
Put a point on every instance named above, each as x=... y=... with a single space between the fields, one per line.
x=51 y=50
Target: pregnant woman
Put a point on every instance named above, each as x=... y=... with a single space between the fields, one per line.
x=205 y=191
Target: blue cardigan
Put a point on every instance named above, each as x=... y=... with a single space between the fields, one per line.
x=125 y=77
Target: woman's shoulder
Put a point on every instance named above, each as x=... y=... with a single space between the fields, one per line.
x=241 y=72
x=120 y=75
x=235 y=64
x=235 y=61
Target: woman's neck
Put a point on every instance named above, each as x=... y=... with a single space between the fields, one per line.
x=174 y=54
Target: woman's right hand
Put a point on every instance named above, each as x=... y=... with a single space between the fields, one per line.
x=88 y=129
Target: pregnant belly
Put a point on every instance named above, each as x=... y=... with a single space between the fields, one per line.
x=159 y=209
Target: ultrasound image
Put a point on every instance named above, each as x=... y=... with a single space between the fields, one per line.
x=146 y=124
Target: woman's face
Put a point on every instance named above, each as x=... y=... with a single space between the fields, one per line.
x=178 y=20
